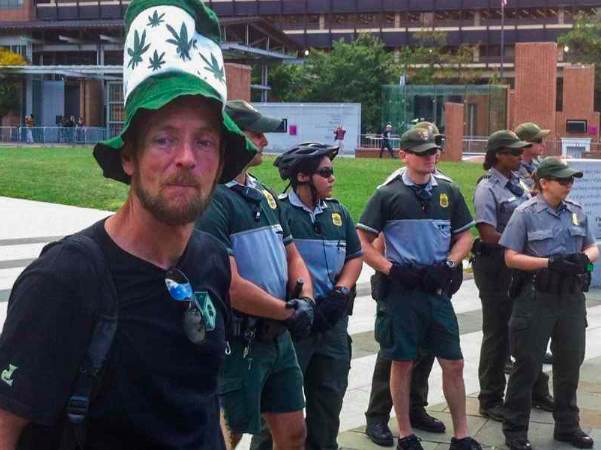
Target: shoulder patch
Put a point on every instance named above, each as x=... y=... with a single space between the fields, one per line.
x=270 y=200
x=444 y=200
x=337 y=219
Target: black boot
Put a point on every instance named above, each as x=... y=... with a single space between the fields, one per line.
x=546 y=403
x=494 y=412
x=578 y=439
x=380 y=434
x=518 y=444
x=410 y=442
x=466 y=443
x=421 y=420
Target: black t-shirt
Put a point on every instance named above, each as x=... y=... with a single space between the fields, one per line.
x=159 y=390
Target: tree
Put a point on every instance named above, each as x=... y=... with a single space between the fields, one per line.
x=9 y=93
x=584 y=46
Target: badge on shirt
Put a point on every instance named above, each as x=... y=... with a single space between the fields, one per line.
x=270 y=199
x=336 y=219
x=575 y=219
x=7 y=374
x=444 y=200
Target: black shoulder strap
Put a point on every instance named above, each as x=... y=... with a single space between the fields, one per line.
x=105 y=307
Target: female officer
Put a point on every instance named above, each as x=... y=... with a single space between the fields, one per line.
x=549 y=242
x=497 y=195
x=325 y=235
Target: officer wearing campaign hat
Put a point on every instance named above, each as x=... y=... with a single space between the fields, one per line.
x=261 y=378
x=549 y=244
x=414 y=309
x=533 y=134
x=498 y=193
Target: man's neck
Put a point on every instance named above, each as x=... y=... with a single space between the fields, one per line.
x=418 y=177
x=139 y=233
x=241 y=179
x=551 y=200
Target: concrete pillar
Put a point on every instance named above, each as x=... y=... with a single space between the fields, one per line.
x=397 y=20
x=536 y=84
x=454 y=122
x=561 y=15
x=476 y=53
x=477 y=19
x=322 y=21
x=238 y=81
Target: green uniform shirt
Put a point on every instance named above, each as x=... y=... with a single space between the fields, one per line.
x=325 y=237
x=248 y=220
x=416 y=232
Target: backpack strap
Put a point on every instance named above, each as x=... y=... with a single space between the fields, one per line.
x=105 y=306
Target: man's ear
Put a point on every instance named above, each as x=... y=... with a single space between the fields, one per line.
x=402 y=155
x=127 y=161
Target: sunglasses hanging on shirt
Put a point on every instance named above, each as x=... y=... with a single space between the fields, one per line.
x=253 y=196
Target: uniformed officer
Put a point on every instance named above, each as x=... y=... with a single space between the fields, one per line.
x=532 y=133
x=549 y=243
x=380 y=402
x=497 y=195
x=325 y=236
x=386 y=144
x=261 y=375
x=414 y=309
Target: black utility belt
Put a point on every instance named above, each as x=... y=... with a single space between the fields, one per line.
x=484 y=249
x=549 y=282
x=249 y=328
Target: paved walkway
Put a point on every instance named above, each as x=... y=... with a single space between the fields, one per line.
x=26 y=226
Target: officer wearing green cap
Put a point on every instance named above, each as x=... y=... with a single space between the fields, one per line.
x=380 y=402
x=261 y=377
x=498 y=193
x=549 y=244
x=129 y=327
x=415 y=308
x=533 y=134
x=325 y=235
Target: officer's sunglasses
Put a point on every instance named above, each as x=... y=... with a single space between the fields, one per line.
x=431 y=152
x=564 y=181
x=200 y=316
x=325 y=172
x=512 y=152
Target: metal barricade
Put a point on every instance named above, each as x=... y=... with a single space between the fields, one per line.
x=52 y=135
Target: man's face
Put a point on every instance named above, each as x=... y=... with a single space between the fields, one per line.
x=260 y=142
x=178 y=160
x=423 y=163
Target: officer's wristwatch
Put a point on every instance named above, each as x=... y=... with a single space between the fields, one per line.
x=450 y=264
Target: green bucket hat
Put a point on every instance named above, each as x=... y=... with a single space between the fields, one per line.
x=504 y=139
x=418 y=140
x=531 y=132
x=172 y=50
x=554 y=168
x=248 y=118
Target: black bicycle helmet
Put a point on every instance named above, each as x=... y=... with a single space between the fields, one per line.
x=288 y=161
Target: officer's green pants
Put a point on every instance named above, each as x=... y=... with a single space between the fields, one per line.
x=537 y=317
x=380 y=401
x=492 y=279
x=325 y=360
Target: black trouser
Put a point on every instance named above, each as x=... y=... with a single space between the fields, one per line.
x=492 y=279
x=537 y=317
x=380 y=401
x=386 y=145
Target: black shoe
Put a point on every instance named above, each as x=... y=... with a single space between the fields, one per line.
x=548 y=358
x=421 y=420
x=380 y=434
x=518 y=444
x=578 y=439
x=467 y=443
x=495 y=413
x=410 y=442
x=546 y=403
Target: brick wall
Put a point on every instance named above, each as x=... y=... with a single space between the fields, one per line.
x=536 y=84
x=22 y=14
x=454 y=120
x=91 y=102
x=578 y=99
x=238 y=81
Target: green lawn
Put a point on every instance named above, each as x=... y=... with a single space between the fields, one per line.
x=71 y=176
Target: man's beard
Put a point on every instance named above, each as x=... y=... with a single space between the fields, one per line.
x=175 y=213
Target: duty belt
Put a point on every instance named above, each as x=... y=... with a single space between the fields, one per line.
x=249 y=328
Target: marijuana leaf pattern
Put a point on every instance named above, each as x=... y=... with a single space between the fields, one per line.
x=156 y=61
x=155 y=20
x=138 y=50
x=214 y=67
x=183 y=45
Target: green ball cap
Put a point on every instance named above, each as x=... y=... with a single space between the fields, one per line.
x=504 y=139
x=554 y=168
x=248 y=118
x=531 y=132
x=427 y=126
x=418 y=140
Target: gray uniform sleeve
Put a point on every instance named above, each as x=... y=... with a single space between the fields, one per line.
x=515 y=235
x=485 y=206
x=589 y=238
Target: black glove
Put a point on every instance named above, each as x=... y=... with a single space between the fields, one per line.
x=581 y=260
x=561 y=264
x=408 y=276
x=438 y=276
x=299 y=323
x=334 y=306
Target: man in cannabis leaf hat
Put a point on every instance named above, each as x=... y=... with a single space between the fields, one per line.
x=115 y=335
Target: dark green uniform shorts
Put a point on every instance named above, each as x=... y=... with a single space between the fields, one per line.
x=407 y=320
x=269 y=379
